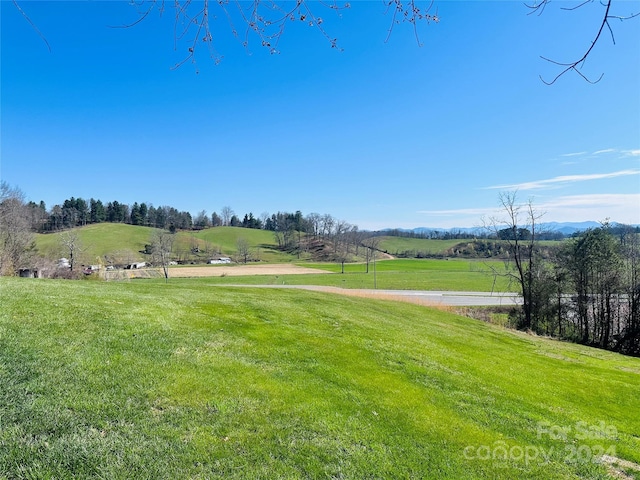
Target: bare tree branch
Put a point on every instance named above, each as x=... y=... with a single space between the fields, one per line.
x=15 y=2
x=266 y=19
x=140 y=19
x=408 y=11
x=577 y=65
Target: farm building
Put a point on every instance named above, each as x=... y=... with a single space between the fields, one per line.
x=31 y=273
x=133 y=266
x=220 y=260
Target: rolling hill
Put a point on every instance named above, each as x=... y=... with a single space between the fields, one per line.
x=127 y=243
x=140 y=379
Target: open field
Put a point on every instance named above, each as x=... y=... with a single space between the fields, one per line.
x=406 y=274
x=127 y=242
x=399 y=245
x=142 y=379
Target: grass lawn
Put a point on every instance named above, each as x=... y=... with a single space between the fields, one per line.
x=410 y=274
x=102 y=239
x=146 y=380
x=399 y=245
x=98 y=240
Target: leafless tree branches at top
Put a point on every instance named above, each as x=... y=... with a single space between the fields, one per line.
x=266 y=19
x=538 y=6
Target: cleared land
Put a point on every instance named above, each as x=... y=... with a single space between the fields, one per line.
x=180 y=380
x=242 y=270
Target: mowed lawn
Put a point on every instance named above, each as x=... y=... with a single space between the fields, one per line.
x=147 y=380
x=400 y=274
x=100 y=239
x=400 y=245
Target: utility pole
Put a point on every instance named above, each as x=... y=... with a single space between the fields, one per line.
x=375 y=282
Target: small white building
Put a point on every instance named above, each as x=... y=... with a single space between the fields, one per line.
x=220 y=260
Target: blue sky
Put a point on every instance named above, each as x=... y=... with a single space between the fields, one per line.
x=380 y=134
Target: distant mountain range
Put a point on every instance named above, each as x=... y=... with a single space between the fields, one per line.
x=566 y=228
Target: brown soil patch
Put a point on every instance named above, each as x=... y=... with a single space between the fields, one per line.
x=239 y=270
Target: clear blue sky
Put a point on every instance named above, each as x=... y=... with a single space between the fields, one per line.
x=380 y=134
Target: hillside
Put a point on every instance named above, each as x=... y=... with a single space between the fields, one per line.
x=225 y=240
x=120 y=243
x=127 y=243
x=122 y=380
x=98 y=240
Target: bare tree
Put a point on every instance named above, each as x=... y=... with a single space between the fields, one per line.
x=605 y=17
x=242 y=249
x=162 y=244
x=371 y=245
x=264 y=216
x=16 y=238
x=227 y=213
x=202 y=220
x=72 y=245
x=519 y=228
x=327 y=225
x=314 y=220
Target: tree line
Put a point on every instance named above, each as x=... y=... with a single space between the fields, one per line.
x=78 y=212
x=587 y=290
x=293 y=231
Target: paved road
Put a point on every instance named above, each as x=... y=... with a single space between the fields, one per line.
x=458 y=299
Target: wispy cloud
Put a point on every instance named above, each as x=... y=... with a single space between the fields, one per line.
x=563 y=180
x=599 y=200
x=616 y=151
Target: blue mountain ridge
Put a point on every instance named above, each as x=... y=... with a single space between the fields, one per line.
x=567 y=228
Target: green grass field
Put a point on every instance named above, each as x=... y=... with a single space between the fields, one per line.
x=98 y=240
x=126 y=242
x=146 y=380
x=404 y=274
x=398 y=245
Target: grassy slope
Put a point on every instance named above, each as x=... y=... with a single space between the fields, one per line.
x=395 y=245
x=99 y=240
x=226 y=239
x=182 y=381
x=107 y=238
